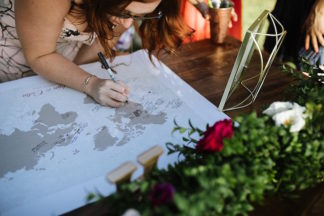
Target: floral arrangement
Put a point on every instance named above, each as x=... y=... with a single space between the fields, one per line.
x=228 y=169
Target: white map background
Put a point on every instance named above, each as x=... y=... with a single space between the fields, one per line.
x=57 y=144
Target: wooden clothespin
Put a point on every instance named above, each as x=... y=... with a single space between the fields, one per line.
x=121 y=174
x=149 y=158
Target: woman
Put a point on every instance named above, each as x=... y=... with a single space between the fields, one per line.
x=52 y=37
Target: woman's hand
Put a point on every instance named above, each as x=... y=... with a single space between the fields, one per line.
x=107 y=92
x=315 y=26
x=234 y=17
x=202 y=7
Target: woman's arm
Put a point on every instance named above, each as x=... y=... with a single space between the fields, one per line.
x=39 y=24
x=88 y=54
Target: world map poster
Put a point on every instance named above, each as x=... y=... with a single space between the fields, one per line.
x=57 y=144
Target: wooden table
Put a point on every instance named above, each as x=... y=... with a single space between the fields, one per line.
x=206 y=67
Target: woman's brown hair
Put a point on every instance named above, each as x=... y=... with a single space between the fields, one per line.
x=165 y=33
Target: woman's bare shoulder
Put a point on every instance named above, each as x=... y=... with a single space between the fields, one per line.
x=38 y=24
x=59 y=8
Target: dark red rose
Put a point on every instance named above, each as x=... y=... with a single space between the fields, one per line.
x=162 y=193
x=213 y=139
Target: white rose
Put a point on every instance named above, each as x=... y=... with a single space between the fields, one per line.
x=289 y=114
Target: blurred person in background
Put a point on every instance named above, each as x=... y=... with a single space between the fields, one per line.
x=304 y=22
x=196 y=15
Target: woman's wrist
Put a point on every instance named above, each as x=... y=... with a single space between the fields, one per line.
x=87 y=84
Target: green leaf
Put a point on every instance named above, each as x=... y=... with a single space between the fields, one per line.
x=175 y=123
x=185 y=139
x=190 y=124
x=90 y=197
x=182 y=130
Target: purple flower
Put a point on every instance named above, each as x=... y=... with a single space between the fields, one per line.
x=162 y=193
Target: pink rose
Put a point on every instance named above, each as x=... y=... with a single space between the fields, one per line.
x=213 y=140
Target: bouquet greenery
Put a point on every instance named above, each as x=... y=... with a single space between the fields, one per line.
x=230 y=168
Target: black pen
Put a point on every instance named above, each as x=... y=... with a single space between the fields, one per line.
x=106 y=66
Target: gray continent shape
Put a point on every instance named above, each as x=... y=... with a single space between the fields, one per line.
x=22 y=150
x=138 y=118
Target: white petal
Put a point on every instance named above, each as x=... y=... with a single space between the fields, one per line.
x=297 y=126
x=321 y=67
x=282 y=117
x=277 y=107
x=298 y=108
x=295 y=118
x=131 y=212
